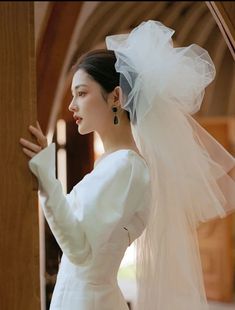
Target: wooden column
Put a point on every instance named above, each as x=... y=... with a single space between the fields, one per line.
x=19 y=225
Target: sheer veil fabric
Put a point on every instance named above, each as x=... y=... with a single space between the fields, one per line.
x=192 y=174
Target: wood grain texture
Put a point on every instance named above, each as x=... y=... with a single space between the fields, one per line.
x=19 y=233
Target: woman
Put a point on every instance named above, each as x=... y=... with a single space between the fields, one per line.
x=107 y=210
x=161 y=175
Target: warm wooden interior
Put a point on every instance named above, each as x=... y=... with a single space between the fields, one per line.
x=19 y=225
x=63 y=31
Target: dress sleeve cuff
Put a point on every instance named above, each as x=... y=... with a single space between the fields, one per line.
x=43 y=167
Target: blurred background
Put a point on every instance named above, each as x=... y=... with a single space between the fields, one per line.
x=51 y=36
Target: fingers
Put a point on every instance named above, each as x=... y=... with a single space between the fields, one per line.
x=38 y=125
x=31 y=149
x=37 y=132
x=28 y=152
x=34 y=147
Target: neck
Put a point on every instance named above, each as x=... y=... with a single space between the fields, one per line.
x=118 y=137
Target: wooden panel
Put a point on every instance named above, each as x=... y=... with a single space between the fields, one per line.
x=19 y=233
x=215 y=237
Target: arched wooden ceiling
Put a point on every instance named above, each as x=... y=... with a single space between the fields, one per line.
x=193 y=22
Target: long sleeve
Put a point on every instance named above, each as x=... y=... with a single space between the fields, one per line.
x=105 y=199
x=57 y=209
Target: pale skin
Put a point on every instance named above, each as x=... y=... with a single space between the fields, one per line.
x=96 y=112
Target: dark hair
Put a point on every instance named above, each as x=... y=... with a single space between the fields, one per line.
x=100 y=65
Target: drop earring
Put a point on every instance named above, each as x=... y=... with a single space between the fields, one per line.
x=115 y=120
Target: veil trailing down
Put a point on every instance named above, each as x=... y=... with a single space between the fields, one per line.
x=192 y=174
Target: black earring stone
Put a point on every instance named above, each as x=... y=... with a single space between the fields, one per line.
x=115 y=121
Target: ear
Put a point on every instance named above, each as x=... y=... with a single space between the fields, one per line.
x=117 y=96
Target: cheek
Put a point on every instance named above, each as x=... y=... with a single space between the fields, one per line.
x=97 y=111
x=95 y=118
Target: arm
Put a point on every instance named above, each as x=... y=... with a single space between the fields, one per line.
x=57 y=208
x=65 y=226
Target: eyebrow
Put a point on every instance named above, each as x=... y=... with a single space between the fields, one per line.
x=76 y=87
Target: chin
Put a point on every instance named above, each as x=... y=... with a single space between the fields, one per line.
x=84 y=131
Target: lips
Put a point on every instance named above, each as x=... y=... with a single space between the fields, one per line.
x=77 y=118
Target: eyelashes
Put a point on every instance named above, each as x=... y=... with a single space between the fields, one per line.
x=81 y=94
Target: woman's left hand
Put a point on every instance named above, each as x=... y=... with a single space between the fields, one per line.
x=31 y=149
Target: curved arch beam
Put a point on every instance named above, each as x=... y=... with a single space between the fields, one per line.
x=51 y=55
x=223 y=13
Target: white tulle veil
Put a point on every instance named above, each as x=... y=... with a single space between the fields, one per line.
x=192 y=174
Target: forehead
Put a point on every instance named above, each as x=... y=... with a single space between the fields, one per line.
x=80 y=78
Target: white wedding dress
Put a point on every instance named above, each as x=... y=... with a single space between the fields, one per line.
x=88 y=224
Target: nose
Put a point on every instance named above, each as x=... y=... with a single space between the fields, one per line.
x=72 y=107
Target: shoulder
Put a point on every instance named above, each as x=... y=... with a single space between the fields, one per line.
x=122 y=166
x=121 y=159
x=119 y=165
x=119 y=177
